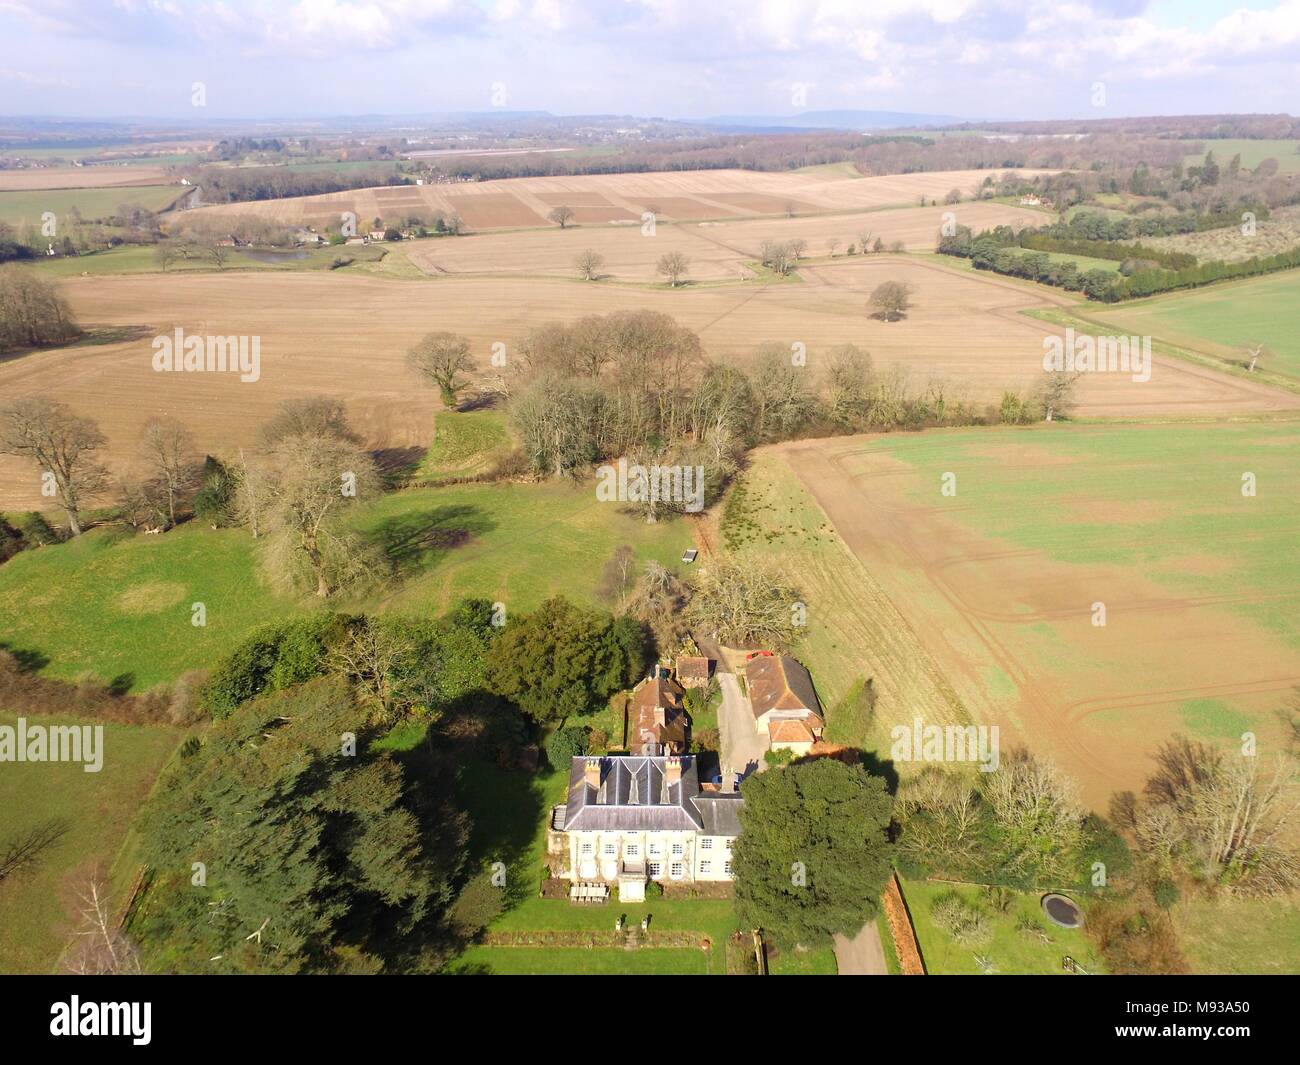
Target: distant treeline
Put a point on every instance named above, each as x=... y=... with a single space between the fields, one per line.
x=246 y=184
x=1185 y=127
x=1143 y=271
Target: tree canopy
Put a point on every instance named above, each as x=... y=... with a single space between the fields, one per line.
x=813 y=855
x=564 y=660
x=314 y=859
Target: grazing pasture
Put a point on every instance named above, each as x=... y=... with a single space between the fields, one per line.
x=38 y=906
x=118 y=607
x=20 y=208
x=1001 y=581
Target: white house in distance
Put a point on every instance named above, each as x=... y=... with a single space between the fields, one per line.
x=630 y=819
x=784 y=702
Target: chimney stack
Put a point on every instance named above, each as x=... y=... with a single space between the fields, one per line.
x=591 y=773
x=672 y=771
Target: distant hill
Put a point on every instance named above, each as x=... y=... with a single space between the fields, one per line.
x=831 y=120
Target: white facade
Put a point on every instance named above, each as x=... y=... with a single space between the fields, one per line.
x=671 y=857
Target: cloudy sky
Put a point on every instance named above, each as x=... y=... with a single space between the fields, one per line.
x=675 y=58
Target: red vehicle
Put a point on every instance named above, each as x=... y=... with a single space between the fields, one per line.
x=759 y=654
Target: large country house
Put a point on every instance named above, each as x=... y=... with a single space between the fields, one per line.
x=630 y=819
x=784 y=702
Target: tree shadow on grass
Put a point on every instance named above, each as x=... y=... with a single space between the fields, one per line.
x=421 y=539
x=28 y=661
x=395 y=462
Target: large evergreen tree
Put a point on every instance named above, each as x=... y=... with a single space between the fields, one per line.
x=314 y=858
x=563 y=660
x=813 y=854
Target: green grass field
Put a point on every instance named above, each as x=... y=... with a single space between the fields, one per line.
x=139 y=259
x=1224 y=319
x=115 y=606
x=1252 y=152
x=464 y=444
x=38 y=907
x=26 y=208
x=1240 y=936
x=1009 y=949
x=1049 y=491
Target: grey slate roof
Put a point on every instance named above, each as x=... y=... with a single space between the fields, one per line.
x=634 y=796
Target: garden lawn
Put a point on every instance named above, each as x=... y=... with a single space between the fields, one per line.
x=579 y=961
x=1009 y=950
x=1240 y=936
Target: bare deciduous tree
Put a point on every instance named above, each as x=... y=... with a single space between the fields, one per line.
x=32 y=313
x=61 y=444
x=440 y=358
x=561 y=215
x=310 y=482
x=589 y=264
x=673 y=266
x=1220 y=818
x=1057 y=393
x=168 y=449
x=370 y=656
x=744 y=604
x=101 y=948
x=1039 y=811
x=848 y=385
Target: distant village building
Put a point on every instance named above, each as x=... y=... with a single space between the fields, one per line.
x=630 y=819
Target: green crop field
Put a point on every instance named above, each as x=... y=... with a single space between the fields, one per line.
x=140 y=259
x=1224 y=319
x=26 y=208
x=1196 y=581
x=116 y=606
x=1252 y=152
x=38 y=906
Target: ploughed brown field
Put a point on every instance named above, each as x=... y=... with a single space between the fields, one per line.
x=716 y=250
x=611 y=199
x=335 y=334
x=104 y=176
